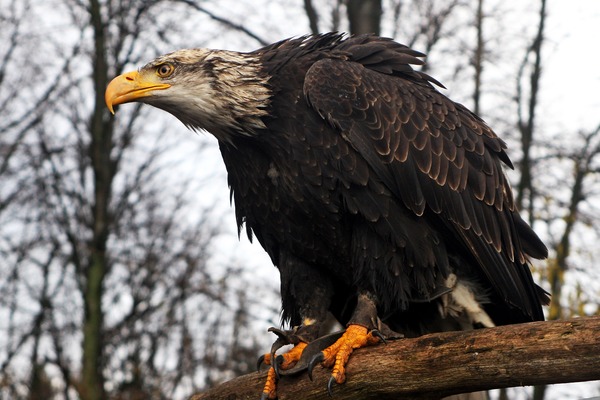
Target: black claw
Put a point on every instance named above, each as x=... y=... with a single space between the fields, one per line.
x=378 y=335
x=276 y=364
x=317 y=358
x=259 y=362
x=284 y=337
x=279 y=332
x=277 y=345
x=264 y=396
x=281 y=341
x=330 y=386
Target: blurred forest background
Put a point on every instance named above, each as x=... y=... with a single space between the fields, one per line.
x=120 y=272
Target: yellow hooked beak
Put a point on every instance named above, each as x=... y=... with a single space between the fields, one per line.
x=131 y=86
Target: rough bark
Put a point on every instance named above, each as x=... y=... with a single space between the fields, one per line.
x=437 y=365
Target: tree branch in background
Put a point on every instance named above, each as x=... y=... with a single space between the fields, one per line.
x=364 y=16
x=438 y=365
x=422 y=24
x=583 y=165
x=526 y=124
x=228 y=23
x=478 y=57
x=313 y=17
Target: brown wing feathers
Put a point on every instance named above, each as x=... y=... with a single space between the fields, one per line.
x=429 y=151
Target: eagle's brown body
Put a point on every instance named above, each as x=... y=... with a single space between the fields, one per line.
x=369 y=176
x=379 y=199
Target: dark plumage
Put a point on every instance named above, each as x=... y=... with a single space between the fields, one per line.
x=369 y=189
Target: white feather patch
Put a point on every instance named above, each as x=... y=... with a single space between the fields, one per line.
x=461 y=302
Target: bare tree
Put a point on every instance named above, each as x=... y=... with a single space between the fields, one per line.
x=98 y=239
x=478 y=57
x=527 y=107
x=19 y=117
x=313 y=17
x=98 y=243
x=582 y=161
x=364 y=16
x=422 y=24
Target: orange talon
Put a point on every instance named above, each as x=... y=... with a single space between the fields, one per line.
x=337 y=355
x=265 y=359
x=270 y=388
x=288 y=360
x=291 y=357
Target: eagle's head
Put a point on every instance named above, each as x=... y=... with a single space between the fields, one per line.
x=223 y=92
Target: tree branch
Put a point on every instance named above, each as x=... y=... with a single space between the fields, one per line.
x=313 y=17
x=228 y=23
x=438 y=365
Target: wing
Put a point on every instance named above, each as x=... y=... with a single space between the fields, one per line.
x=438 y=158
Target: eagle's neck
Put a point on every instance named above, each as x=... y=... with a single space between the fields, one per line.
x=227 y=94
x=242 y=89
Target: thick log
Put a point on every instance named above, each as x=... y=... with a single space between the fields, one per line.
x=438 y=365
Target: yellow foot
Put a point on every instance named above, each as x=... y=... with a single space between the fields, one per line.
x=282 y=362
x=336 y=356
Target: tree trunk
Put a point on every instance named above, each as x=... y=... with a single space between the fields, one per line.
x=313 y=17
x=526 y=127
x=92 y=379
x=364 y=16
x=478 y=58
x=442 y=364
x=558 y=265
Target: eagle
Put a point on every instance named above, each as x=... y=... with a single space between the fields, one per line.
x=380 y=201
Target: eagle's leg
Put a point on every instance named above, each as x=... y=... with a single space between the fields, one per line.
x=283 y=364
x=280 y=362
x=299 y=337
x=363 y=329
x=306 y=293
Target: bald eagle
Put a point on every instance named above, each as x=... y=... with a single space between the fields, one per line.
x=381 y=201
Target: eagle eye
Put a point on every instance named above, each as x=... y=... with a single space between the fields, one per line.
x=164 y=70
